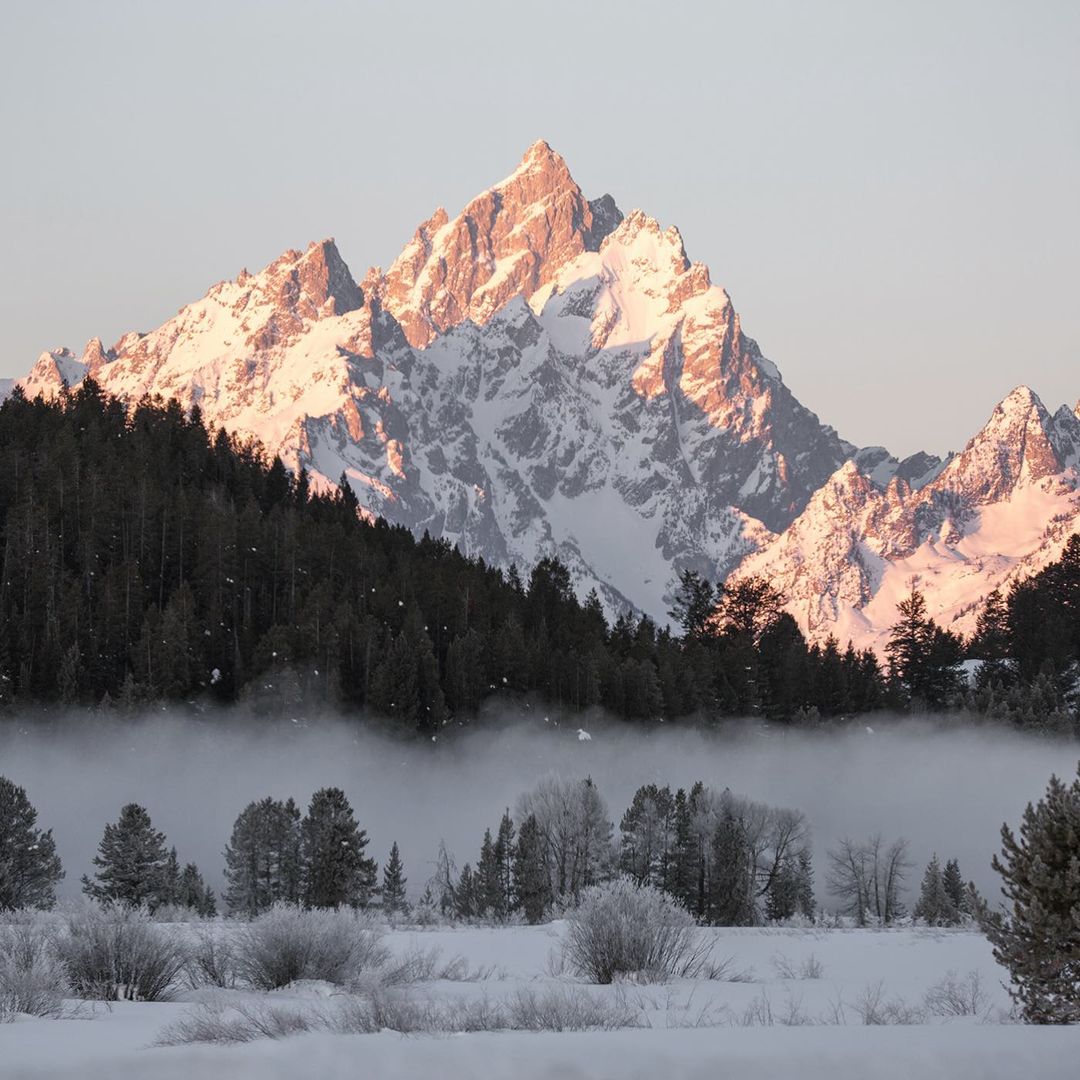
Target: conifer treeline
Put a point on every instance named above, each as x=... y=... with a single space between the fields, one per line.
x=146 y=558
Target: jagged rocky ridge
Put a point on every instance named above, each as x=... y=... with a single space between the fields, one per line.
x=542 y=375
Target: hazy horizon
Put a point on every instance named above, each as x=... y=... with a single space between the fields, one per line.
x=888 y=193
x=946 y=788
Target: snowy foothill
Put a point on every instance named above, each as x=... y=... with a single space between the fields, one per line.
x=814 y=1002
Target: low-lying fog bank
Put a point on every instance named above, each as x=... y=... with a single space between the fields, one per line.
x=946 y=788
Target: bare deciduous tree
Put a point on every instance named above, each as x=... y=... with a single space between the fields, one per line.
x=868 y=878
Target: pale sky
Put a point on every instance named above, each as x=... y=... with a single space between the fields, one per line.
x=889 y=191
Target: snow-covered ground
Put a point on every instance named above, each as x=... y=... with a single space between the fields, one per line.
x=764 y=1026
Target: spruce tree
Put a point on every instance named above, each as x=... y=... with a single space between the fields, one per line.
x=29 y=865
x=488 y=883
x=394 y=882
x=1038 y=937
x=263 y=857
x=193 y=893
x=954 y=886
x=336 y=871
x=504 y=858
x=131 y=861
x=169 y=892
x=729 y=892
x=935 y=906
x=532 y=891
x=806 y=903
x=467 y=894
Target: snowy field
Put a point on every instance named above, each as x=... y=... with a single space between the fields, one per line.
x=788 y=1002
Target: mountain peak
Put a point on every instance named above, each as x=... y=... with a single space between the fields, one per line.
x=539 y=157
x=1017 y=445
x=508 y=241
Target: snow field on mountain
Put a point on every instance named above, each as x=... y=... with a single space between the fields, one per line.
x=797 y=1008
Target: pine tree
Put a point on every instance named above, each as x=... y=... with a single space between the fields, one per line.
x=193 y=892
x=263 y=857
x=532 y=893
x=782 y=898
x=954 y=886
x=29 y=865
x=683 y=876
x=169 y=890
x=504 y=858
x=805 y=903
x=1038 y=937
x=466 y=895
x=131 y=861
x=488 y=883
x=394 y=882
x=935 y=906
x=336 y=872
x=729 y=892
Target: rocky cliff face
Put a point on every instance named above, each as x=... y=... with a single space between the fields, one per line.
x=542 y=375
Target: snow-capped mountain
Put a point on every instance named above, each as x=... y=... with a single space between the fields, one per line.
x=1001 y=509
x=536 y=375
x=543 y=375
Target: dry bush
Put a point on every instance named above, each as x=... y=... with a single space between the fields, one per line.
x=559 y=1009
x=212 y=960
x=426 y=965
x=786 y=968
x=875 y=1009
x=117 y=953
x=288 y=943
x=33 y=981
x=569 y=1009
x=955 y=996
x=622 y=928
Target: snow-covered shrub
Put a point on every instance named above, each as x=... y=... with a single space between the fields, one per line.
x=288 y=943
x=875 y=1009
x=786 y=968
x=556 y=1009
x=956 y=996
x=212 y=959
x=427 y=965
x=32 y=977
x=622 y=928
x=118 y=953
x=569 y=1009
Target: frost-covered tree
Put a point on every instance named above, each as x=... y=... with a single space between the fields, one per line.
x=394 y=882
x=868 y=878
x=29 y=865
x=131 y=861
x=935 y=906
x=1038 y=936
x=336 y=871
x=576 y=831
x=263 y=857
x=467 y=894
x=443 y=882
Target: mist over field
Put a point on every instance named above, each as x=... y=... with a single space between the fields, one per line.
x=946 y=788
